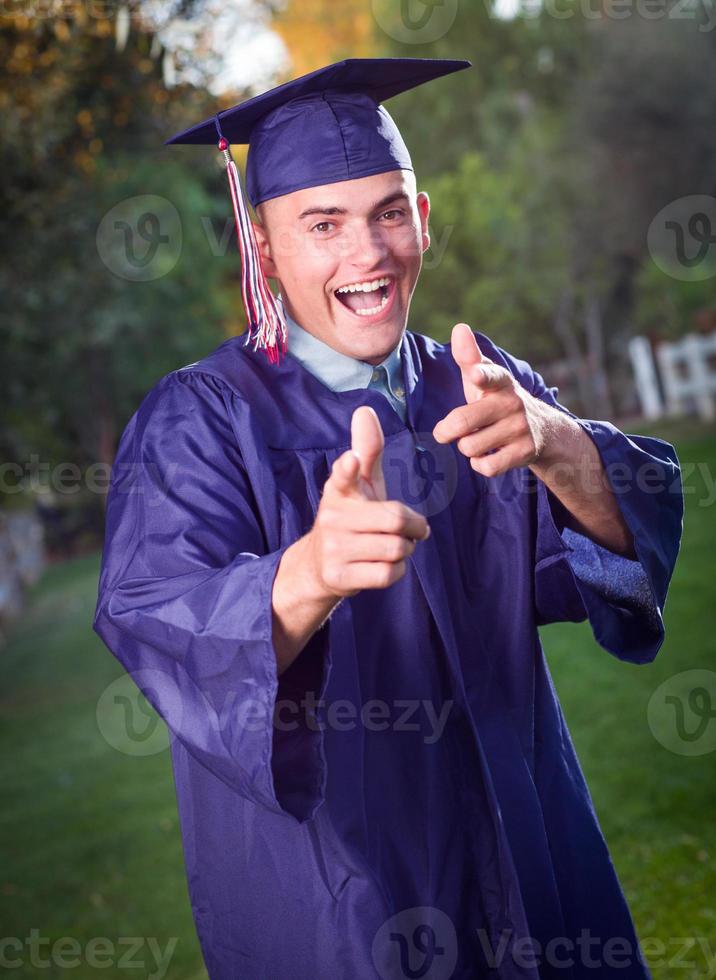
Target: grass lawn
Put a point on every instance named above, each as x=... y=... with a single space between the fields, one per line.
x=656 y=807
x=90 y=838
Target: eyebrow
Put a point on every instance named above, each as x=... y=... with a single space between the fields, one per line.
x=388 y=199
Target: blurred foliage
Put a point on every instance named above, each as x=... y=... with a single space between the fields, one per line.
x=317 y=33
x=85 y=117
x=496 y=259
x=545 y=163
x=665 y=304
x=584 y=128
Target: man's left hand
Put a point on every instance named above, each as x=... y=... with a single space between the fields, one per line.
x=501 y=425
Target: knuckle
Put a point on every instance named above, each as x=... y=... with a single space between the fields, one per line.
x=332 y=575
x=331 y=546
x=341 y=577
x=333 y=483
x=404 y=526
x=530 y=450
x=484 y=465
x=325 y=518
x=464 y=416
x=396 y=549
x=468 y=445
x=396 y=516
x=517 y=404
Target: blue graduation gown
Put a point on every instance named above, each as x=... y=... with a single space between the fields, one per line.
x=353 y=835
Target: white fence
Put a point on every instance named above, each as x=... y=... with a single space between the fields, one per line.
x=677 y=377
x=22 y=560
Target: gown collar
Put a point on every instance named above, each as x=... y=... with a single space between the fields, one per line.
x=297 y=411
x=337 y=371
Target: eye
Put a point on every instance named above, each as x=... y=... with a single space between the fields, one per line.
x=323 y=226
x=393 y=214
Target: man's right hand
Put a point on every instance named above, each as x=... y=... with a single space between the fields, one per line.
x=360 y=539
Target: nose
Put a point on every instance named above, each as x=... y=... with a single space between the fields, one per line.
x=368 y=247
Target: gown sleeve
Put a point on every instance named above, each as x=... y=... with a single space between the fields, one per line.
x=184 y=598
x=575 y=578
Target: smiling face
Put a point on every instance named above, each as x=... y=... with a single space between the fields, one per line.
x=347 y=257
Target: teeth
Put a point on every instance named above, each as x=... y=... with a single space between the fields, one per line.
x=374 y=309
x=364 y=287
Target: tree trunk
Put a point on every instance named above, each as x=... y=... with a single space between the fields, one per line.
x=563 y=320
x=594 y=331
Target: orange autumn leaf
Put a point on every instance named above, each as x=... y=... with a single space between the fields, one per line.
x=317 y=32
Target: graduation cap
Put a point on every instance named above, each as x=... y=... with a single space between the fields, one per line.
x=318 y=129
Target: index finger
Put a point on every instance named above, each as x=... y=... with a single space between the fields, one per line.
x=367 y=442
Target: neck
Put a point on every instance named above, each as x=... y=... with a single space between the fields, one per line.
x=373 y=361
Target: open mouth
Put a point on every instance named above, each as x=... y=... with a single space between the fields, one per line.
x=366 y=298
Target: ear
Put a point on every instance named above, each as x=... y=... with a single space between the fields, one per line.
x=262 y=240
x=423 y=202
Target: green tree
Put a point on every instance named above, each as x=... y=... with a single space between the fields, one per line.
x=85 y=118
x=585 y=128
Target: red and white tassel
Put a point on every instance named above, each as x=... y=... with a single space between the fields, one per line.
x=267 y=324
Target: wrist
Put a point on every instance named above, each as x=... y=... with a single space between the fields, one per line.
x=300 y=605
x=562 y=443
x=301 y=582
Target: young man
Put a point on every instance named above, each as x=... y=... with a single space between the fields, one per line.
x=326 y=572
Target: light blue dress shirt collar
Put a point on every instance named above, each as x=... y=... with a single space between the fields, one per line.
x=342 y=373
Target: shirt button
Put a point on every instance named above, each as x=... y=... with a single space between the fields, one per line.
x=399 y=392
x=375 y=376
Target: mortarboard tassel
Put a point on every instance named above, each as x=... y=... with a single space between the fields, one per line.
x=267 y=325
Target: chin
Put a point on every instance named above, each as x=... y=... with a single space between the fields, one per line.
x=374 y=343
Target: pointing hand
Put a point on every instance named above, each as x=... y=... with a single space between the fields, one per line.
x=360 y=539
